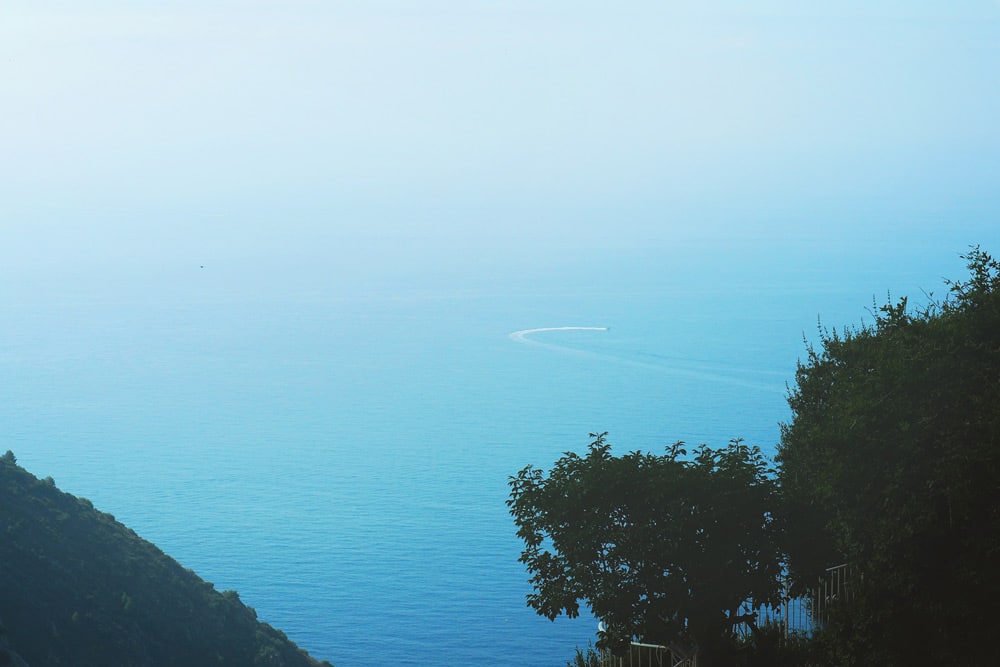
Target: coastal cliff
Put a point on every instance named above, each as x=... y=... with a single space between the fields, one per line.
x=79 y=588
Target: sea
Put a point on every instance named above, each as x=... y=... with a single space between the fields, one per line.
x=335 y=442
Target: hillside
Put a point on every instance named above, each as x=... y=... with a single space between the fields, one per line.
x=79 y=588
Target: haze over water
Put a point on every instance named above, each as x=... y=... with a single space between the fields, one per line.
x=260 y=266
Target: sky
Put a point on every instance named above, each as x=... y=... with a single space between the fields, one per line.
x=142 y=133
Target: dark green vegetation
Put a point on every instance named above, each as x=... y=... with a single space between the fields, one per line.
x=78 y=588
x=661 y=547
x=891 y=462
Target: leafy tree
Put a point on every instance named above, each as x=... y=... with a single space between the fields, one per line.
x=891 y=461
x=661 y=548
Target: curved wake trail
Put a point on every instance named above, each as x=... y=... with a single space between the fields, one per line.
x=658 y=363
x=522 y=336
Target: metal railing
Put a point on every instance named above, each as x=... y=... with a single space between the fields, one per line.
x=807 y=613
x=649 y=655
x=795 y=615
x=837 y=588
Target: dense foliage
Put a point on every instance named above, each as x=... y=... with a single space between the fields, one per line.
x=892 y=462
x=79 y=588
x=662 y=548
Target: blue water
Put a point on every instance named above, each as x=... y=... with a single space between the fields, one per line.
x=338 y=450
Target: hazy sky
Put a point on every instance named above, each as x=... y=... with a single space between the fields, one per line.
x=153 y=130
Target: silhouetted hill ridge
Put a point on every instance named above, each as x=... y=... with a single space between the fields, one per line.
x=78 y=588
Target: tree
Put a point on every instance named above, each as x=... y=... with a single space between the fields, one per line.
x=891 y=461
x=661 y=548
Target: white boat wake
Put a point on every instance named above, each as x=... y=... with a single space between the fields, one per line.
x=522 y=336
x=650 y=361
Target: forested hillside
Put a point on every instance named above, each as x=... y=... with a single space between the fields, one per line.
x=888 y=472
x=79 y=588
x=892 y=463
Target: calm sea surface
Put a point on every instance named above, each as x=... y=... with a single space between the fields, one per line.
x=339 y=452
